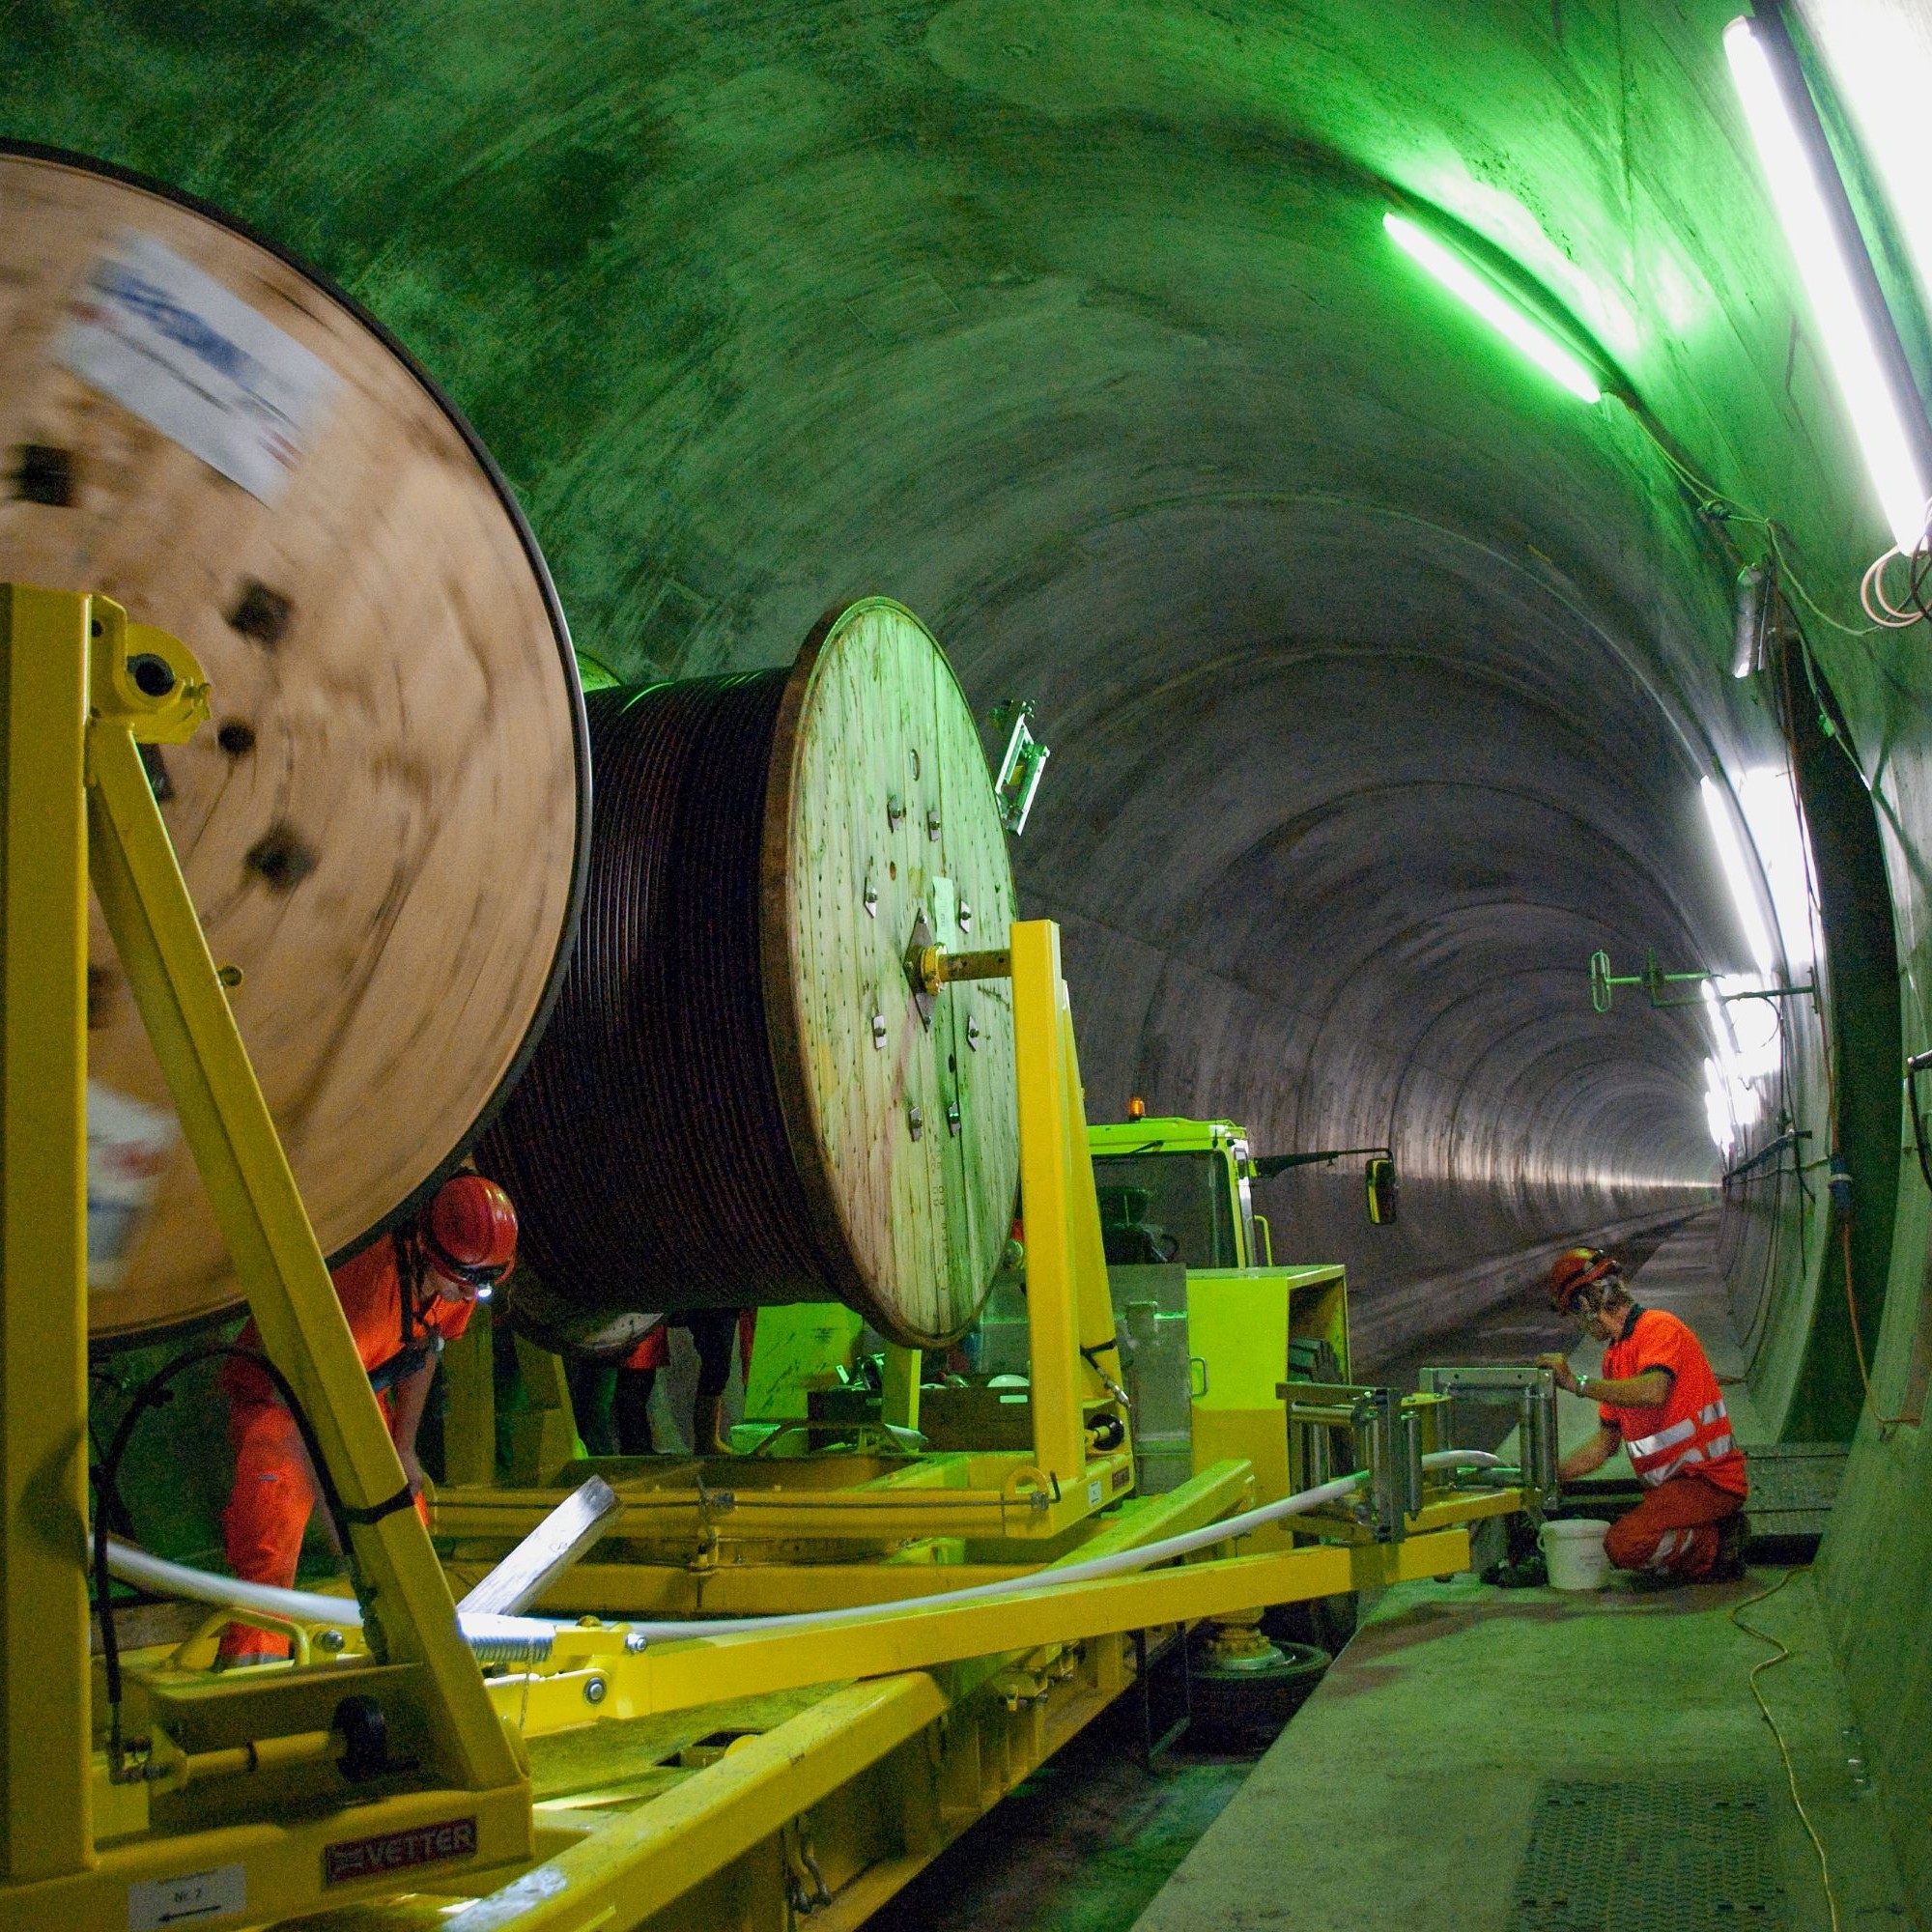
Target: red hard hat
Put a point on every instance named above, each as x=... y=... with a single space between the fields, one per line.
x=1573 y=1271
x=470 y=1230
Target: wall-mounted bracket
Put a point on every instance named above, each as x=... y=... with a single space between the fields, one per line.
x=1655 y=983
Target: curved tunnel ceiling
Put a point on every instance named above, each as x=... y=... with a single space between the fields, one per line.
x=1380 y=672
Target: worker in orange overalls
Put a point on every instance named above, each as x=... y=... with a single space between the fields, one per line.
x=405 y=1297
x=1658 y=1398
x=629 y=1395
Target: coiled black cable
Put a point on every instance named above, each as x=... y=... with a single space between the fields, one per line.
x=646 y=1147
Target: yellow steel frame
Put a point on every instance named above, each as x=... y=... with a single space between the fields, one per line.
x=83 y=690
x=46 y=1821
x=929 y=1711
x=701 y=1671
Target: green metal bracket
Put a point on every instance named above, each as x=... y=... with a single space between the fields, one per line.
x=1020 y=770
x=1655 y=980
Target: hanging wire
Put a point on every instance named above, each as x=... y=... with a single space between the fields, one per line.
x=1783 y=1655
x=1918 y=561
x=1716 y=506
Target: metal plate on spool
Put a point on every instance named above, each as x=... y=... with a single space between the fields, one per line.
x=385 y=828
x=880 y=817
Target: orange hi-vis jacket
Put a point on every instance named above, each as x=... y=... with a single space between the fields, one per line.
x=370 y=1289
x=272 y=1499
x=1691 y=1434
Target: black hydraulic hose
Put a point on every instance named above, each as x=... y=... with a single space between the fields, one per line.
x=111 y=1511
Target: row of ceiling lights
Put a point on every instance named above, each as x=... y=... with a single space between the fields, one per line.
x=1876 y=387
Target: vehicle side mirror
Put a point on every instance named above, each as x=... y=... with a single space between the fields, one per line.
x=1384 y=1190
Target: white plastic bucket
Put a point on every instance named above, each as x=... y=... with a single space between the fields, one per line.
x=1574 y=1551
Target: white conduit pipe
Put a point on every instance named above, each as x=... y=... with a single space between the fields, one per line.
x=163 y=1578
x=495 y=1638
x=1121 y=1563
x=175 y=1579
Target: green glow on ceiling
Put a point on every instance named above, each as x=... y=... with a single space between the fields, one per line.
x=1477 y=293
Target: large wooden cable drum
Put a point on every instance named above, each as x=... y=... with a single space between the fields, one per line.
x=739 y=1101
x=385 y=827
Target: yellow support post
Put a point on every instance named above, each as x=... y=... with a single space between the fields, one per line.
x=46 y=1804
x=1095 y=1305
x=1068 y=1305
x=543 y=1434
x=226 y=1122
x=469 y=1391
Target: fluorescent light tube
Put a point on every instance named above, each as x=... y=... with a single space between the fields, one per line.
x=1778 y=832
x=1717 y=1110
x=1463 y=281
x=1747 y=621
x=1819 y=249
x=1737 y=874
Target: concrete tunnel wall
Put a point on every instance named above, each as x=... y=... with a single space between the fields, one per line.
x=1380 y=674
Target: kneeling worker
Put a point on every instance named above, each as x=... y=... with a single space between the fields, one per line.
x=405 y=1295
x=1657 y=1396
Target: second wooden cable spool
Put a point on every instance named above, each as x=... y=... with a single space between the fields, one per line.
x=742 y=1100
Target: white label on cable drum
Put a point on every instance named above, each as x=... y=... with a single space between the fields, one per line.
x=1095 y=1493
x=196 y=362
x=195 y=1898
x=127 y=1143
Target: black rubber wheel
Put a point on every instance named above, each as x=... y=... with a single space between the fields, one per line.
x=1245 y=1709
x=1322 y=1623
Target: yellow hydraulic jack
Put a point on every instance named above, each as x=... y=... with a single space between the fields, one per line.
x=117 y=1839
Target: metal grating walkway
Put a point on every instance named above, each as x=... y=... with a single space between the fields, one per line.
x=1634 y=1857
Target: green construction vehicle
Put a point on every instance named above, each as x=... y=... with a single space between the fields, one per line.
x=1175 y=1190
x=1211 y=1325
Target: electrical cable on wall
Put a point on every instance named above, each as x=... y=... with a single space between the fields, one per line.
x=1840 y=1185
x=1719 y=509
x=1918 y=561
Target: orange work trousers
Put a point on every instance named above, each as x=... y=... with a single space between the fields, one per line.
x=268 y=1513
x=1673 y=1528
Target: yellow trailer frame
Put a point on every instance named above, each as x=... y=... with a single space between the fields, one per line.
x=849 y=1755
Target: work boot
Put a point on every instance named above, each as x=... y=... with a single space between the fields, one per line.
x=1523 y=1573
x=1647 y=1581
x=1733 y=1534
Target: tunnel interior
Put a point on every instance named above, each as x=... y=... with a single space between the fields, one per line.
x=1379 y=671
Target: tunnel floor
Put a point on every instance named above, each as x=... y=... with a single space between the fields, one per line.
x=1482 y=1760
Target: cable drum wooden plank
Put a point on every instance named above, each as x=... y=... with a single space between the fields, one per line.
x=739 y=1103
x=385 y=828
x=881 y=812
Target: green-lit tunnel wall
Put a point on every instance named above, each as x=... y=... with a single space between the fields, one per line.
x=1380 y=672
